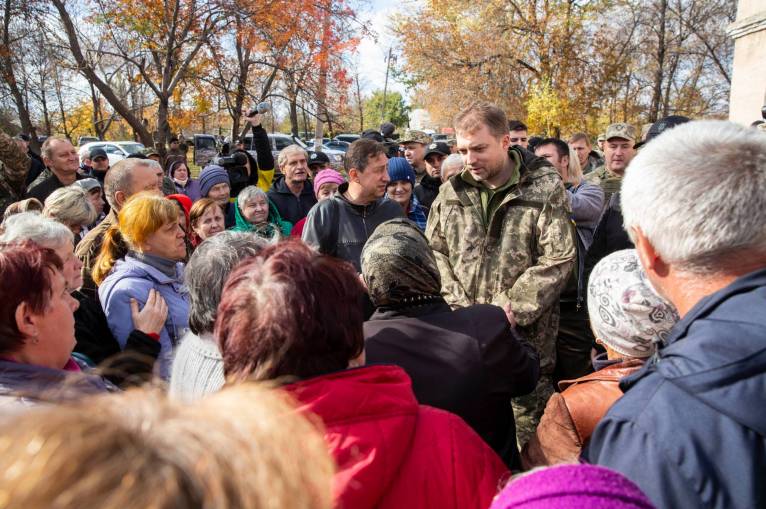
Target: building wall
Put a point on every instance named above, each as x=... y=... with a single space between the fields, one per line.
x=748 y=85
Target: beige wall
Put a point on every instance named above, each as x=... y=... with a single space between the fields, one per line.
x=748 y=85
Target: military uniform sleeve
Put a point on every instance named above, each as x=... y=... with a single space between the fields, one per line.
x=539 y=287
x=15 y=162
x=452 y=291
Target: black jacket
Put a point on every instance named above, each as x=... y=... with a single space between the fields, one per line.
x=609 y=236
x=95 y=340
x=292 y=208
x=339 y=228
x=427 y=191
x=263 y=160
x=467 y=361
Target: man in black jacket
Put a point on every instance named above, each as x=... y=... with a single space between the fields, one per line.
x=428 y=189
x=341 y=226
x=292 y=192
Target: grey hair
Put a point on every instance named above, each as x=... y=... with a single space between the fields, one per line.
x=118 y=178
x=250 y=193
x=287 y=152
x=698 y=194
x=453 y=160
x=207 y=270
x=32 y=226
x=71 y=206
x=46 y=151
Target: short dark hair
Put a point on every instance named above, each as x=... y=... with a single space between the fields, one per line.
x=26 y=272
x=361 y=151
x=561 y=147
x=290 y=312
x=517 y=125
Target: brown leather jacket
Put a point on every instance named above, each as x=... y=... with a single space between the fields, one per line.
x=571 y=416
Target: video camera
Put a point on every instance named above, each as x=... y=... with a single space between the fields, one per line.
x=235 y=165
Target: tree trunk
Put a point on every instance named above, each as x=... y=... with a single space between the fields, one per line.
x=163 y=123
x=660 y=72
x=294 y=114
x=84 y=67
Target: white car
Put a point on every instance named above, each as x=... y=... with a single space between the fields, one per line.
x=115 y=150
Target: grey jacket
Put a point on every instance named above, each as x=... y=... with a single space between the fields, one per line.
x=339 y=228
x=197 y=368
x=587 y=201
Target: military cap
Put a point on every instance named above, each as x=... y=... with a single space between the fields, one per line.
x=438 y=147
x=415 y=136
x=620 y=130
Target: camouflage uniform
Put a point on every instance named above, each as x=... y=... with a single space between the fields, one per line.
x=522 y=254
x=14 y=166
x=610 y=182
x=415 y=136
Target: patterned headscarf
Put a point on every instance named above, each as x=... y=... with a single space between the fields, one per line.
x=625 y=311
x=398 y=265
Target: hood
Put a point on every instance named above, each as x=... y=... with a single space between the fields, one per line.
x=716 y=353
x=135 y=268
x=370 y=415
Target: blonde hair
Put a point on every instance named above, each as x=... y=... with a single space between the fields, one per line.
x=574 y=170
x=142 y=215
x=235 y=448
x=71 y=206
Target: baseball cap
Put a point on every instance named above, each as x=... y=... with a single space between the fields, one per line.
x=438 y=147
x=318 y=158
x=415 y=136
x=664 y=124
x=621 y=130
x=95 y=153
x=88 y=184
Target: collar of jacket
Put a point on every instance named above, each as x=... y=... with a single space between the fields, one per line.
x=280 y=186
x=361 y=210
x=423 y=306
x=140 y=266
x=430 y=182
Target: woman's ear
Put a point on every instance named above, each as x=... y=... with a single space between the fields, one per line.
x=26 y=320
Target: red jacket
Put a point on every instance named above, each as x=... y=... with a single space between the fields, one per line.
x=392 y=452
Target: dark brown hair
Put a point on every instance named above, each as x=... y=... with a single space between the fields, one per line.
x=290 y=312
x=361 y=151
x=481 y=113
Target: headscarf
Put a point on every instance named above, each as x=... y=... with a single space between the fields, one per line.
x=398 y=265
x=274 y=225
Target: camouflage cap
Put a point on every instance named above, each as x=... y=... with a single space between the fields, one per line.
x=415 y=136
x=601 y=137
x=620 y=130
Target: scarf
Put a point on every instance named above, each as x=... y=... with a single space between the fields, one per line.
x=167 y=267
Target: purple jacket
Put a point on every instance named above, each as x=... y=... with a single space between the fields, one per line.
x=191 y=189
x=131 y=277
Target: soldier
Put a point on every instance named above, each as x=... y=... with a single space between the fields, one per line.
x=501 y=234
x=415 y=143
x=14 y=165
x=619 y=150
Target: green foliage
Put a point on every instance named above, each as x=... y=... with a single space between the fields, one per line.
x=396 y=110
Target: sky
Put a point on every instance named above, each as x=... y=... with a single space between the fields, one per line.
x=371 y=55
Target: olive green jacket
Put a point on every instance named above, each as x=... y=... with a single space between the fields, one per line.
x=523 y=255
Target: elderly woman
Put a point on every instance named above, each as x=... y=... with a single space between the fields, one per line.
x=468 y=361
x=255 y=213
x=205 y=220
x=141 y=253
x=37 y=333
x=391 y=452
x=400 y=190
x=95 y=343
x=198 y=365
x=236 y=449
x=71 y=206
x=184 y=184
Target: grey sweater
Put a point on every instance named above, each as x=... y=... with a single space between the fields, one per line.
x=197 y=368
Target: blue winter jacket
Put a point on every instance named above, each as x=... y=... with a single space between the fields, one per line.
x=131 y=277
x=691 y=427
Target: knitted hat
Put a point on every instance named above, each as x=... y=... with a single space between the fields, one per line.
x=325 y=177
x=626 y=314
x=571 y=487
x=210 y=176
x=400 y=169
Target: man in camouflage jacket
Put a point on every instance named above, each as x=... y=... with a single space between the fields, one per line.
x=619 y=150
x=14 y=166
x=511 y=245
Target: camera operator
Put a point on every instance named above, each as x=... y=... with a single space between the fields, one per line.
x=259 y=170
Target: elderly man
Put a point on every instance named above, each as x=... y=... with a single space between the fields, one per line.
x=501 y=234
x=126 y=178
x=292 y=192
x=618 y=152
x=198 y=365
x=62 y=161
x=690 y=429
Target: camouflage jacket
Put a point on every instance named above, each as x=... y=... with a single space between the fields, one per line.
x=594 y=162
x=14 y=166
x=610 y=182
x=523 y=255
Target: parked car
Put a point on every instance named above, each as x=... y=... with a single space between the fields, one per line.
x=82 y=140
x=348 y=138
x=279 y=141
x=115 y=150
x=205 y=149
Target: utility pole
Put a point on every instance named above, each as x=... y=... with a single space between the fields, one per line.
x=385 y=86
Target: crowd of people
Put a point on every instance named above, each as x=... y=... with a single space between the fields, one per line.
x=504 y=321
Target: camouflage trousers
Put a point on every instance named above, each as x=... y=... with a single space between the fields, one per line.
x=527 y=410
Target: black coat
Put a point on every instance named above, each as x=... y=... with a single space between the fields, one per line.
x=292 y=208
x=467 y=361
x=427 y=191
x=609 y=236
x=95 y=340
